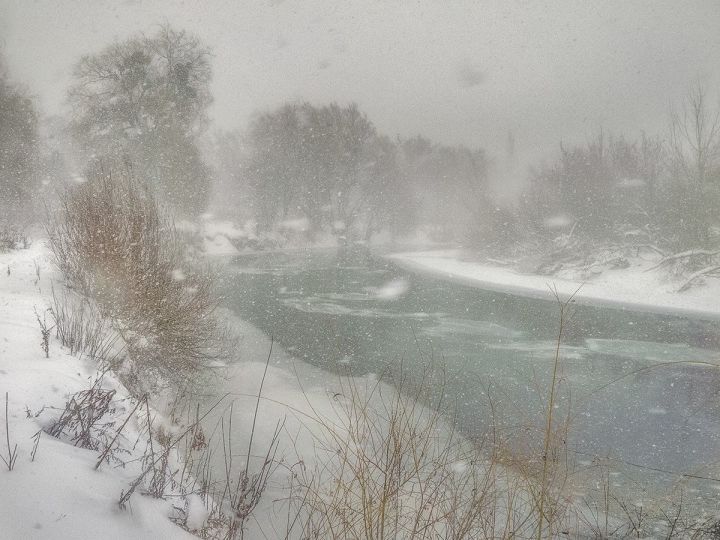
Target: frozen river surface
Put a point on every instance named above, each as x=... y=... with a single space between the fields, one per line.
x=639 y=388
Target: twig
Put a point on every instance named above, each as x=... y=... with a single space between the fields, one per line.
x=117 y=434
x=12 y=453
x=257 y=405
x=551 y=405
x=36 y=445
x=705 y=271
x=683 y=255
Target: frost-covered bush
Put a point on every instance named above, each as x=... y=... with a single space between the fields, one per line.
x=113 y=243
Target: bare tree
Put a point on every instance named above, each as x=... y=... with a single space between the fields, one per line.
x=694 y=142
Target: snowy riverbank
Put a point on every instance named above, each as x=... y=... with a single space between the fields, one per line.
x=54 y=490
x=633 y=288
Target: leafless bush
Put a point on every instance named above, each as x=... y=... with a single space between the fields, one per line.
x=157 y=474
x=230 y=496
x=113 y=243
x=81 y=328
x=85 y=422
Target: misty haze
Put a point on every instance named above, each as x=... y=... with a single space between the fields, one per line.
x=359 y=270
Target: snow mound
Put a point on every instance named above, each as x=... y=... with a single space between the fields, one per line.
x=634 y=288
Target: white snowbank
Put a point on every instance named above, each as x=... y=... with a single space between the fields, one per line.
x=58 y=495
x=631 y=288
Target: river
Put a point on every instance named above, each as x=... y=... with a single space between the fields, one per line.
x=657 y=425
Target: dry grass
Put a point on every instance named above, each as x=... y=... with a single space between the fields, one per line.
x=81 y=328
x=392 y=468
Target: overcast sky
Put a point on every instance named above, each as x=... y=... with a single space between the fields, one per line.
x=456 y=71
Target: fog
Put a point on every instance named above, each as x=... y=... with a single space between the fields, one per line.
x=459 y=72
x=487 y=230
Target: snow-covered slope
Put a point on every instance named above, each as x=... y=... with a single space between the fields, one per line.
x=58 y=495
x=631 y=288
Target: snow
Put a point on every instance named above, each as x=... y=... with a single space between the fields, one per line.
x=392 y=290
x=228 y=229
x=58 y=495
x=197 y=512
x=219 y=245
x=631 y=288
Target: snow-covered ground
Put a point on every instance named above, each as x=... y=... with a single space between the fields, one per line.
x=633 y=288
x=59 y=494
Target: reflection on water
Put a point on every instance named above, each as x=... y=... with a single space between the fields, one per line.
x=639 y=385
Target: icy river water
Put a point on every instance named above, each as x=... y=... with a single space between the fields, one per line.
x=657 y=425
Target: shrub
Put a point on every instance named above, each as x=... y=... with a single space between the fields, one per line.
x=86 y=422
x=114 y=244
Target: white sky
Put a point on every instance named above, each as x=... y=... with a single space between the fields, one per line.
x=456 y=71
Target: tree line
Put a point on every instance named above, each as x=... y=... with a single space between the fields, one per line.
x=330 y=165
x=141 y=104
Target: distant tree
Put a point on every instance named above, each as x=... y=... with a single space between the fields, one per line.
x=389 y=198
x=692 y=200
x=342 y=145
x=18 y=147
x=278 y=164
x=450 y=187
x=231 y=193
x=143 y=102
x=326 y=164
x=653 y=166
x=694 y=141
x=609 y=185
